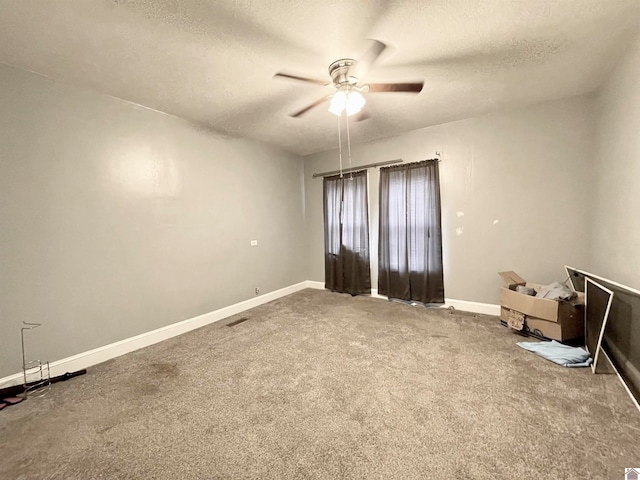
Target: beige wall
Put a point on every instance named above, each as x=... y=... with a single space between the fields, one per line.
x=515 y=193
x=116 y=220
x=615 y=250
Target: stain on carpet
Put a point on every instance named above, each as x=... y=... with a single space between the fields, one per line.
x=237 y=322
x=165 y=369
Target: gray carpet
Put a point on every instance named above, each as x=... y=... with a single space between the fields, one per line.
x=323 y=385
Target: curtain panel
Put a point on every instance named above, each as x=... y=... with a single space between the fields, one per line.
x=410 y=233
x=346 y=234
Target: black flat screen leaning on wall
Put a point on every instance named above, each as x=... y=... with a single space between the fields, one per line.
x=621 y=339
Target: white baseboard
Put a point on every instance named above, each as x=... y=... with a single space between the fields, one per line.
x=375 y=294
x=464 y=305
x=113 y=350
x=475 y=307
x=315 y=285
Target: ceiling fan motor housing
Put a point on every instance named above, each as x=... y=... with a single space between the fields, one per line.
x=344 y=75
x=339 y=72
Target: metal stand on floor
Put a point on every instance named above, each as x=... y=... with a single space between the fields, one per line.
x=36 y=375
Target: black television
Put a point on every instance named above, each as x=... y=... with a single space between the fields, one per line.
x=621 y=340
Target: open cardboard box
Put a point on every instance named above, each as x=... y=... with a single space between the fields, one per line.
x=558 y=320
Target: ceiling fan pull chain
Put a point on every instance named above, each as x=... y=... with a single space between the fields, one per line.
x=339 y=145
x=349 y=145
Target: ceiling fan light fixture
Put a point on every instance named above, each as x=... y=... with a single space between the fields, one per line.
x=352 y=102
x=338 y=102
x=355 y=102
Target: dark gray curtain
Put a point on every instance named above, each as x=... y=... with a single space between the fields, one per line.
x=410 y=235
x=346 y=234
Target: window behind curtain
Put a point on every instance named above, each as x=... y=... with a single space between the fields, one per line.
x=346 y=234
x=410 y=234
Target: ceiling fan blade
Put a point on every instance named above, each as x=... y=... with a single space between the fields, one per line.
x=309 y=107
x=302 y=79
x=395 y=87
x=368 y=59
x=363 y=115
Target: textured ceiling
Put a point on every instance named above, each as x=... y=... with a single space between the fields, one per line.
x=213 y=62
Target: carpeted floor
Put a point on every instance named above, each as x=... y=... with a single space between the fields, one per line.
x=323 y=385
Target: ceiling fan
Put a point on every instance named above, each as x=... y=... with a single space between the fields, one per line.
x=345 y=79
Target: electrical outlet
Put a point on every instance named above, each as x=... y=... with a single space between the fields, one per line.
x=254 y=243
x=257 y=291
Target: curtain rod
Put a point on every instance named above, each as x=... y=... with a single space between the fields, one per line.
x=361 y=167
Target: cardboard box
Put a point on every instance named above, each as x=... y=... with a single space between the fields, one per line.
x=558 y=320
